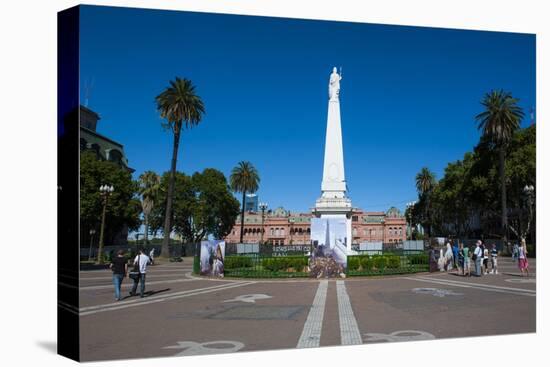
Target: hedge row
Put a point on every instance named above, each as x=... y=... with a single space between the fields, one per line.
x=235 y=262
x=378 y=262
x=285 y=262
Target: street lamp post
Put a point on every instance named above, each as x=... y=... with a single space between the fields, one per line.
x=263 y=207
x=529 y=190
x=92 y=232
x=105 y=191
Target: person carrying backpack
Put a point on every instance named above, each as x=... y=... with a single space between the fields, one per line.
x=140 y=267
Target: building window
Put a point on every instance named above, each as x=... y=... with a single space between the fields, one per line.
x=354 y=218
x=271 y=231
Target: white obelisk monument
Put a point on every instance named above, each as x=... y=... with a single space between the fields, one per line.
x=334 y=201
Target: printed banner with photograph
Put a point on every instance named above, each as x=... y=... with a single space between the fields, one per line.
x=212 y=257
x=329 y=239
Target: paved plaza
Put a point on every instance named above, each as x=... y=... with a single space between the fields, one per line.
x=183 y=314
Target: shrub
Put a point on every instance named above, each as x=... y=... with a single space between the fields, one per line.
x=354 y=263
x=299 y=262
x=380 y=262
x=367 y=263
x=394 y=262
x=234 y=262
x=284 y=262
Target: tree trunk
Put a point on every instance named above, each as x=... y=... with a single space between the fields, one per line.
x=146 y=231
x=242 y=217
x=165 y=250
x=503 y=195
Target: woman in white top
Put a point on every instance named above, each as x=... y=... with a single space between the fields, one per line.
x=441 y=260
x=522 y=261
x=449 y=257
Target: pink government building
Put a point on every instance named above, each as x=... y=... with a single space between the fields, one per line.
x=281 y=227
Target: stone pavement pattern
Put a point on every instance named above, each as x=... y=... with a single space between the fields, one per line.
x=187 y=315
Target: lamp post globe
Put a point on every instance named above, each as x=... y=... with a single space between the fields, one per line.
x=105 y=191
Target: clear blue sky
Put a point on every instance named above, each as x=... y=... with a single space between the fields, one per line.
x=408 y=99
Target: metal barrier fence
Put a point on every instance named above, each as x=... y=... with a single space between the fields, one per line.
x=388 y=263
x=293 y=266
x=261 y=266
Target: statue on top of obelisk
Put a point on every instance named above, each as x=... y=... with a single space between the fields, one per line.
x=334 y=85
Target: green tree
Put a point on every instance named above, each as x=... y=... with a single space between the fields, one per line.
x=149 y=186
x=498 y=122
x=183 y=200
x=244 y=178
x=123 y=207
x=203 y=205
x=425 y=184
x=180 y=106
x=214 y=210
x=521 y=171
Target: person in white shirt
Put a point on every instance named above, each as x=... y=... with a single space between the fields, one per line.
x=478 y=254
x=140 y=264
x=152 y=256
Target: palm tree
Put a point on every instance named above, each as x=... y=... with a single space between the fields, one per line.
x=149 y=186
x=425 y=183
x=498 y=123
x=244 y=178
x=178 y=104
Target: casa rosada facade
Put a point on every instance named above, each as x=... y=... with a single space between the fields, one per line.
x=280 y=227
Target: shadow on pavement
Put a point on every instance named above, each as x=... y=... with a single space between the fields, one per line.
x=50 y=346
x=147 y=294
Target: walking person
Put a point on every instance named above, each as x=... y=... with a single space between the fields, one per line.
x=449 y=257
x=140 y=264
x=433 y=260
x=482 y=247
x=152 y=256
x=456 y=258
x=441 y=260
x=523 y=264
x=494 y=263
x=460 y=257
x=119 y=266
x=515 y=252
x=486 y=260
x=477 y=257
x=466 y=255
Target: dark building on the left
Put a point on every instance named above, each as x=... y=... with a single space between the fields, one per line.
x=105 y=148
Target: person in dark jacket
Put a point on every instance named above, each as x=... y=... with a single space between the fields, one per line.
x=119 y=266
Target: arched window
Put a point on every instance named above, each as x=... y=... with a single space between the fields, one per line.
x=115 y=156
x=282 y=231
x=271 y=231
x=355 y=231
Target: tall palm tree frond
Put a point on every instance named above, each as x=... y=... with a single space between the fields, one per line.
x=500 y=118
x=179 y=104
